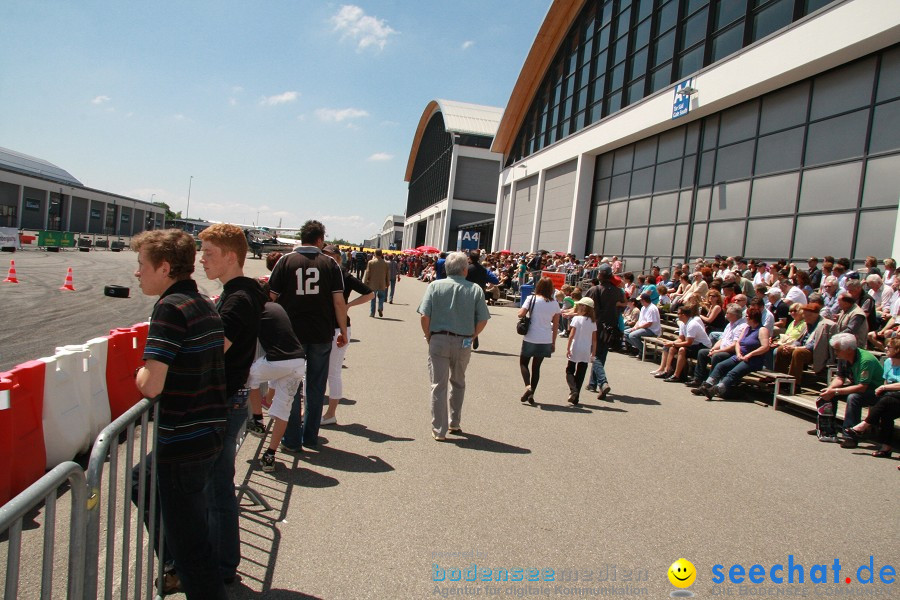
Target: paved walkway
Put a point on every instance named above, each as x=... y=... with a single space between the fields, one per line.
x=613 y=490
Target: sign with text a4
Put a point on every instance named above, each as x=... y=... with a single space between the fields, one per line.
x=681 y=103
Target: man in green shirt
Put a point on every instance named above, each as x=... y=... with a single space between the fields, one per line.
x=859 y=374
x=453 y=312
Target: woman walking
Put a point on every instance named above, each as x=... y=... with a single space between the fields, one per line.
x=540 y=341
x=336 y=362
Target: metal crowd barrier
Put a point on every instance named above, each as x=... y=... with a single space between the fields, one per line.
x=44 y=491
x=106 y=449
x=131 y=571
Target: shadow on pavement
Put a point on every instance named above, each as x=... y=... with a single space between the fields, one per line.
x=242 y=591
x=564 y=408
x=390 y=319
x=633 y=400
x=377 y=437
x=346 y=402
x=604 y=408
x=341 y=460
x=471 y=441
x=493 y=353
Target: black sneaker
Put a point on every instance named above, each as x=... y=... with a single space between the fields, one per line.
x=694 y=383
x=268 y=462
x=256 y=428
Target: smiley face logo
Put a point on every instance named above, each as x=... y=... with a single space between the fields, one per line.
x=682 y=573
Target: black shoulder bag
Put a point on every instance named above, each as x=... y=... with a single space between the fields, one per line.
x=525 y=322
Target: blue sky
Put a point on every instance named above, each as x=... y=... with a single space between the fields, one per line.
x=295 y=109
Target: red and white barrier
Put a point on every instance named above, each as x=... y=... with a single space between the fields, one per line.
x=53 y=408
x=26 y=404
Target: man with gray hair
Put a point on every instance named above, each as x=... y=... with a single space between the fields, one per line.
x=830 y=308
x=453 y=312
x=858 y=375
x=722 y=349
x=852 y=319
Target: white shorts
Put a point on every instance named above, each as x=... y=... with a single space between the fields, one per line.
x=284 y=376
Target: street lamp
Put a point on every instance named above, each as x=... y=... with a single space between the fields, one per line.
x=187 y=211
x=151 y=198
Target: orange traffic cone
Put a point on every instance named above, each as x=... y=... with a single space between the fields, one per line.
x=11 y=277
x=68 y=285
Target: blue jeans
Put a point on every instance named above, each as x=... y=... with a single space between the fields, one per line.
x=224 y=512
x=393 y=285
x=307 y=431
x=729 y=372
x=855 y=402
x=598 y=372
x=380 y=296
x=183 y=501
x=633 y=338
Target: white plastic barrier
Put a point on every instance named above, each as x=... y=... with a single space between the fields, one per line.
x=98 y=413
x=67 y=389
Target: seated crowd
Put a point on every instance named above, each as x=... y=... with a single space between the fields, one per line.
x=736 y=317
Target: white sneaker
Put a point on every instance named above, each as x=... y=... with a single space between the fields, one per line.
x=329 y=421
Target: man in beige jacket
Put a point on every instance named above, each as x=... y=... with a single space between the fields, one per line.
x=378 y=277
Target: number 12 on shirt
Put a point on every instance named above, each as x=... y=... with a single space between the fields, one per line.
x=307 y=281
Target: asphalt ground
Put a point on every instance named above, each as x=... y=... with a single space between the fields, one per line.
x=612 y=491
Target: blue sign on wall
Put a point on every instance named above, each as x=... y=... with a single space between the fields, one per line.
x=467 y=240
x=681 y=104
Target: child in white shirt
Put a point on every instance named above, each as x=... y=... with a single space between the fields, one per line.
x=582 y=346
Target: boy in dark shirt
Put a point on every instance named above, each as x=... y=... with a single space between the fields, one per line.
x=240 y=307
x=185 y=368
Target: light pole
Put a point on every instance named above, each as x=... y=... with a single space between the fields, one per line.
x=151 y=198
x=187 y=211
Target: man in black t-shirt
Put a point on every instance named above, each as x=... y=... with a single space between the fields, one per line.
x=608 y=302
x=224 y=249
x=309 y=286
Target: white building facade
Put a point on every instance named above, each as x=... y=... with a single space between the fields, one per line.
x=789 y=147
x=451 y=171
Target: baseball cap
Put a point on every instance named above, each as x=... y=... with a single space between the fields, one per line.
x=586 y=301
x=604 y=268
x=812 y=306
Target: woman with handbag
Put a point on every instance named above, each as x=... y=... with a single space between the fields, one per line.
x=538 y=322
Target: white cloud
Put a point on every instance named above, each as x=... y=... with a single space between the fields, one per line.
x=237 y=89
x=467 y=44
x=180 y=117
x=232 y=102
x=337 y=115
x=368 y=31
x=279 y=99
x=100 y=99
x=380 y=156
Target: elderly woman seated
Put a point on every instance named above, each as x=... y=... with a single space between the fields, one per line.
x=749 y=353
x=793 y=356
x=691 y=338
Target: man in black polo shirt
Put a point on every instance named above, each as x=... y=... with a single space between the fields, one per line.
x=240 y=306
x=309 y=286
x=185 y=367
